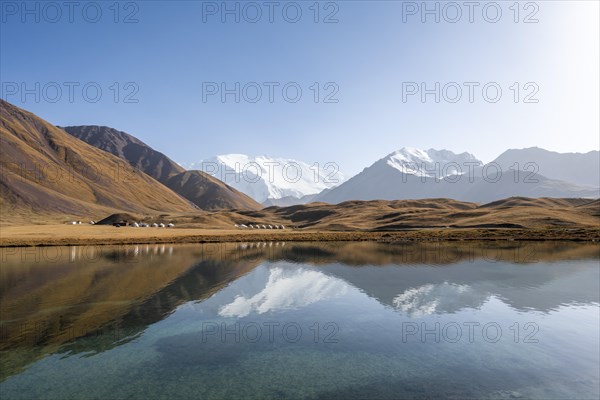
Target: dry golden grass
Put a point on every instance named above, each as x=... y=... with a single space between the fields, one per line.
x=57 y=235
x=445 y=219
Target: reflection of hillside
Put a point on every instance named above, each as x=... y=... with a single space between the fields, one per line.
x=198 y=283
x=435 y=253
x=46 y=304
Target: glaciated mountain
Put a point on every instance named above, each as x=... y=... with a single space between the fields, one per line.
x=268 y=179
x=430 y=163
x=418 y=174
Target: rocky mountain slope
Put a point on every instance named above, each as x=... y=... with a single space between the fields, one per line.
x=129 y=148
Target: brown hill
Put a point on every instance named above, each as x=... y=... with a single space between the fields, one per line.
x=384 y=215
x=209 y=193
x=46 y=171
x=116 y=218
x=203 y=190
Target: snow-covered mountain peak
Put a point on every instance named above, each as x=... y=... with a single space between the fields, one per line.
x=409 y=154
x=429 y=163
x=266 y=178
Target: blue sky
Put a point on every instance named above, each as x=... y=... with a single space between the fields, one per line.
x=164 y=54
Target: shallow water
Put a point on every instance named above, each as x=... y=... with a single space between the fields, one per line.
x=301 y=320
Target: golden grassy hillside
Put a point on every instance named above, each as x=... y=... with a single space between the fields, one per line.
x=209 y=193
x=444 y=219
x=380 y=215
x=45 y=171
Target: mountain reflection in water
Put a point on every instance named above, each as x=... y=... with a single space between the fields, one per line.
x=89 y=300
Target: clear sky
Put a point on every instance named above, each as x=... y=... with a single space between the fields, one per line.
x=173 y=57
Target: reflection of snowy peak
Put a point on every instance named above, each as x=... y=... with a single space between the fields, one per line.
x=278 y=287
x=437 y=298
x=264 y=178
x=272 y=288
x=286 y=289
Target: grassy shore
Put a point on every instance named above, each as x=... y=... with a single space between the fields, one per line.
x=62 y=235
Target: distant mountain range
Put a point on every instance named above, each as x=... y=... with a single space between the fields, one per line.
x=272 y=181
x=411 y=173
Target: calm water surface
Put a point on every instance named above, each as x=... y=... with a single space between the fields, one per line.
x=301 y=320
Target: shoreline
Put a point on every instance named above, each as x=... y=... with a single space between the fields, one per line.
x=61 y=235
